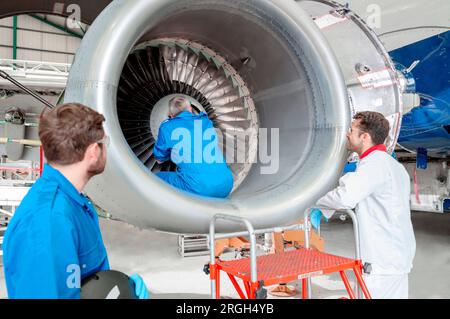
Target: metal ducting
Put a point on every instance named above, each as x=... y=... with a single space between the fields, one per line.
x=251 y=65
x=14 y=129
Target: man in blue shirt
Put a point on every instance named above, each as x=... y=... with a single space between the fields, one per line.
x=53 y=240
x=191 y=142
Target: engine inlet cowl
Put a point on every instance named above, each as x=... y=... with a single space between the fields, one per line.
x=250 y=65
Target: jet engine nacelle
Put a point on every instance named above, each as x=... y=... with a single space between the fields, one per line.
x=276 y=75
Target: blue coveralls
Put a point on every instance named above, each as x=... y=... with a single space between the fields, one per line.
x=52 y=242
x=204 y=177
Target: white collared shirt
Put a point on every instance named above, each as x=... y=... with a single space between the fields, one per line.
x=379 y=191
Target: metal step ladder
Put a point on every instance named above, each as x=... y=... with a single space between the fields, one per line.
x=300 y=264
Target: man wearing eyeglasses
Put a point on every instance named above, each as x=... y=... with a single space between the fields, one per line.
x=53 y=240
x=379 y=191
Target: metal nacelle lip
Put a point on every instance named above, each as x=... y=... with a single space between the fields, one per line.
x=94 y=78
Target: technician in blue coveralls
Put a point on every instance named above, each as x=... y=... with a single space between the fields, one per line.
x=53 y=240
x=191 y=142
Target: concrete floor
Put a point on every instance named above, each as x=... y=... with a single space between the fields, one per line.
x=154 y=256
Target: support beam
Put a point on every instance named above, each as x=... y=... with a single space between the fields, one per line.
x=15 y=38
x=56 y=26
x=6 y=27
x=34 y=49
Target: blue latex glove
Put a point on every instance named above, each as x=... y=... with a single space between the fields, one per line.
x=350 y=167
x=316 y=217
x=394 y=156
x=139 y=286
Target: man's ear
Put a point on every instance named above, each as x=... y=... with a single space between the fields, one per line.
x=368 y=138
x=91 y=151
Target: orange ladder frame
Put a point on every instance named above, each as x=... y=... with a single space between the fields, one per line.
x=300 y=264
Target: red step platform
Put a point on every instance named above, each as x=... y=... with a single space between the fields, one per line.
x=299 y=264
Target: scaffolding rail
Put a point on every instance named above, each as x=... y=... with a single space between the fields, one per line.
x=35 y=74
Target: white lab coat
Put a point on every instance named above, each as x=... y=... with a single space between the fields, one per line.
x=379 y=190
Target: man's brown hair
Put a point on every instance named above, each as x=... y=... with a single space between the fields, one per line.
x=375 y=124
x=67 y=130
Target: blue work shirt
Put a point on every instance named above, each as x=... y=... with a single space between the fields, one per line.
x=196 y=173
x=52 y=242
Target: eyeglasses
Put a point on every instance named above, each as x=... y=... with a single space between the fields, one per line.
x=105 y=140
